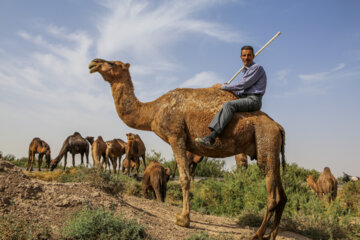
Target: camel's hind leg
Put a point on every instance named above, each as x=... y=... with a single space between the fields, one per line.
x=114 y=163
x=269 y=163
x=40 y=161
x=179 y=149
x=276 y=203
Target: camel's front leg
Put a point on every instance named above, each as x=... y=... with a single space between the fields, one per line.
x=73 y=159
x=178 y=147
x=40 y=161
x=65 y=160
x=30 y=162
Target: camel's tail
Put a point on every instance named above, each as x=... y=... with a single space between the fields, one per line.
x=283 y=161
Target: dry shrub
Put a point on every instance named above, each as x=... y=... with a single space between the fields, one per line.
x=13 y=228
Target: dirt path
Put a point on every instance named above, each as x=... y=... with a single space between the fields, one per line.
x=50 y=204
x=159 y=218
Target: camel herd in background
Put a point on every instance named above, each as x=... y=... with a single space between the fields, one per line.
x=155 y=176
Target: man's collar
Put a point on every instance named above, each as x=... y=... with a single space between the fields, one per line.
x=247 y=67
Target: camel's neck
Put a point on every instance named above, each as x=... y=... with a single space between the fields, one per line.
x=313 y=185
x=134 y=113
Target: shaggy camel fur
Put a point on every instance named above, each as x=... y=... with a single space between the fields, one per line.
x=135 y=149
x=74 y=144
x=155 y=179
x=181 y=115
x=98 y=150
x=193 y=160
x=241 y=160
x=115 y=149
x=42 y=148
x=325 y=185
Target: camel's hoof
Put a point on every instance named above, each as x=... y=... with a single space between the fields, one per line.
x=183 y=221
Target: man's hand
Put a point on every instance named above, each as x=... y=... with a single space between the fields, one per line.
x=217 y=86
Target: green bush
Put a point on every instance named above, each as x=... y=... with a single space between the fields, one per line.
x=208 y=167
x=101 y=224
x=241 y=190
x=350 y=197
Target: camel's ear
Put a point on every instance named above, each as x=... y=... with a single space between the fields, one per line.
x=126 y=66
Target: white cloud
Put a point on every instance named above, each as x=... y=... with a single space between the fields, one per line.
x=321 y=76
x=203 y=79
x=147 y=30
x=282 y=75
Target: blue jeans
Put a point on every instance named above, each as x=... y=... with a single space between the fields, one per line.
x=247 y=103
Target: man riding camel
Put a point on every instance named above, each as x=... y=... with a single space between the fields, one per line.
x=249 y=90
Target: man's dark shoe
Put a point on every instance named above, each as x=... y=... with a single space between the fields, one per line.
x=205 y=141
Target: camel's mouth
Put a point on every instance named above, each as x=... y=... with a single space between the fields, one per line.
x=93 y=67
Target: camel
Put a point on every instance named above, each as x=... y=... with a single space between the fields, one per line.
x=114 y=150
x=135 y=149
x=98 y=150
x=193 y=160
x=181 y=115
x=74 y=144
x=325 y=185
x=42 y=148
x=241 y=160
x=155 y=179
x=125 y=165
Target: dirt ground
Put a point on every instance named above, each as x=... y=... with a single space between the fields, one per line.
x=51 y=203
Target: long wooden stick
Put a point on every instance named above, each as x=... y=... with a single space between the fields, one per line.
x=237 y=73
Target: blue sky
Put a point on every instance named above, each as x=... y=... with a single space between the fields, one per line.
x=313 y=68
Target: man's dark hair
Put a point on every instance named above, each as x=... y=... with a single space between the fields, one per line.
x=247 y=47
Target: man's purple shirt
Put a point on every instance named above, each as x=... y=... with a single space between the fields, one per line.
x=253 y=81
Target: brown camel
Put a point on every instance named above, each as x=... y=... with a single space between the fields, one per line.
x=42 y=148
x=125 y=165
x=155 y=179
x=193 y=160
x=135 y=149
x=115 y=149
x=98 y=150
x=181 y=115
x=74 y=144
x=325 y=185
x=241 y=160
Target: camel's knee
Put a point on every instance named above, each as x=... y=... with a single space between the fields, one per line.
x=185 y=181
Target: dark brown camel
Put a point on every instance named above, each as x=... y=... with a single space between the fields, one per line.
x=135 y=149
x=38 y=146
x=115 y=149
x=98 y=150
x=325 y=185
x=193 y=159
x=155 y=179
x=181 y=115
x=75 y=144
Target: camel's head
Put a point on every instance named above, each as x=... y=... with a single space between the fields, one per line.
x=310 y=179
x=109 y=69
x=53 y=165
x=167 y=173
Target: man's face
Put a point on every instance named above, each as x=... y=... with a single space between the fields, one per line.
x=247 y=56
